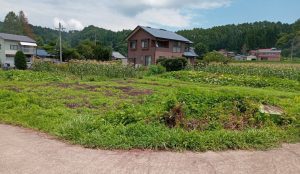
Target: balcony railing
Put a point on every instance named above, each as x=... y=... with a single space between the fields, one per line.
x=28 y=50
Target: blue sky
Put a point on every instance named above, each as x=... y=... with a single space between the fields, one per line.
x=241 y=11
x=169 y=14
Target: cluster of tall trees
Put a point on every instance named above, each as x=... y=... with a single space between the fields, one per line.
x=244 y=37
x=93 y=42
x=17 y=24
x=290 y=42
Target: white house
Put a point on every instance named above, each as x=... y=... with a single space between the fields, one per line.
x=11 y=43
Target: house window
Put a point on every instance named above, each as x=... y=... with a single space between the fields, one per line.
x=148 y=60
x=145 y=43
x=14 y=47
x=0 y=46
x=176 y=47
x=133 y=44
x=162 y=44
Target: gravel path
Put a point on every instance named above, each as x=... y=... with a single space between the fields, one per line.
x=26 y=151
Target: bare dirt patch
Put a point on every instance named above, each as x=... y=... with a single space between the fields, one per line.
x=78 y=86
x=133 y=91
x=128 y=90
x=13 y=88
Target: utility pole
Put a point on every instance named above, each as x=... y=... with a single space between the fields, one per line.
x=60 y=29
x=292 y=51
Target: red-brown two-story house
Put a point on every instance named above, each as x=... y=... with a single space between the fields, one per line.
x=270 y=54
x=146 y=45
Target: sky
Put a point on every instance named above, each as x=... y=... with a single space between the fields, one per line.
x=173 y=15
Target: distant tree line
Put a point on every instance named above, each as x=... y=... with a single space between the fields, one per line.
x=244 y=37
x=98 y=41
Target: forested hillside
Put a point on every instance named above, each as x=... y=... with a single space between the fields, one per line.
x=239 y=38
x=243 y=37
x=234 y=37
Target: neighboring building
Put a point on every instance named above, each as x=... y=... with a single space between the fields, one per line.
x=226 y=53
x=240 y=57
x=45 y=56
x=271 y=54
x=190 y=54
x=10 y=44
x=146 y=45
x=251 y=58
x=118 y=56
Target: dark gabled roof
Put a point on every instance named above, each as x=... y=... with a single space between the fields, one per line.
x=163 y=34
x=190 y=53
x=14 y=37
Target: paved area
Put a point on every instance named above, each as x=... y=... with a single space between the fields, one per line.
x=26 y=151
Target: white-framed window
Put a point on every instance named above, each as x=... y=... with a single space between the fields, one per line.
x=145 y=43
x=14 y=47
x=148 y=60
x=176 y=47
x=133 y=44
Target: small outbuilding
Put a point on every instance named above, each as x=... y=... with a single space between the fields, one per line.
x=191 y=55
x=45 y=56
x=118 y=56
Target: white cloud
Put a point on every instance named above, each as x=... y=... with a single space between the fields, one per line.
x=75 y=24
x=71 y=24
x=110 y=14
x=163 y=17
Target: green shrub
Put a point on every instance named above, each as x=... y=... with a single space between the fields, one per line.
x=216 y=57
x=156 y=69
x=173 y=64
x=20 y=61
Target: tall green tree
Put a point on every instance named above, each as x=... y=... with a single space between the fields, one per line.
x=201 y=49
x=86 y=49
x=20 y=61
x=12 y=24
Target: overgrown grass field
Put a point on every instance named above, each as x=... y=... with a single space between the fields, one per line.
x=113 y=107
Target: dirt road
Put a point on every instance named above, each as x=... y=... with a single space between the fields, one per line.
x=26 y=151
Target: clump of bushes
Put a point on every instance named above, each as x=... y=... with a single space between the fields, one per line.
x=197 y=110
x=20 y=60
x=156 y=69
x=174 y=64
x=216 y=57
